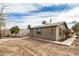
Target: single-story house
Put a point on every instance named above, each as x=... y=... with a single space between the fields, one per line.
x=54 y=31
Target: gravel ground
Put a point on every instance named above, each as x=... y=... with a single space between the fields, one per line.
x=31 y=47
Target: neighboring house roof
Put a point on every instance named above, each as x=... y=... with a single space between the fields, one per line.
x=50 y=25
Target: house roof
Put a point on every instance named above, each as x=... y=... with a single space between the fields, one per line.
x=51 y=25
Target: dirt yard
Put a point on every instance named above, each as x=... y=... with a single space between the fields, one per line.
x=31 y=47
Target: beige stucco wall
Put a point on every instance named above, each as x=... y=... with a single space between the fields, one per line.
x=45 y=34
x=57 y=33
x=62 y=36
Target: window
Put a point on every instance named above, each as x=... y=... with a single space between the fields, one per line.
x=39 y=31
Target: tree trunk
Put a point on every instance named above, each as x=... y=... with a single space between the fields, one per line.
x=15 y=35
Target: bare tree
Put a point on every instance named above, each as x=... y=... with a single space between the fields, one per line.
x=2 y=17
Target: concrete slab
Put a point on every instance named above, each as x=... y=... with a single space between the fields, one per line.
x=56 y=42
x=69 y=40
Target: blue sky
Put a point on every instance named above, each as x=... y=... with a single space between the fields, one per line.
x=23 y=14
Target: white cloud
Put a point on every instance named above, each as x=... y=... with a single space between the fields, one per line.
x=21 y=25
x=49 y=4
x=39 y=1
x=21 y=8
x=67 y=16
x=33 y=21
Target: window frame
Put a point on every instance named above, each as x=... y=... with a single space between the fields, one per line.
x=38 y=31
